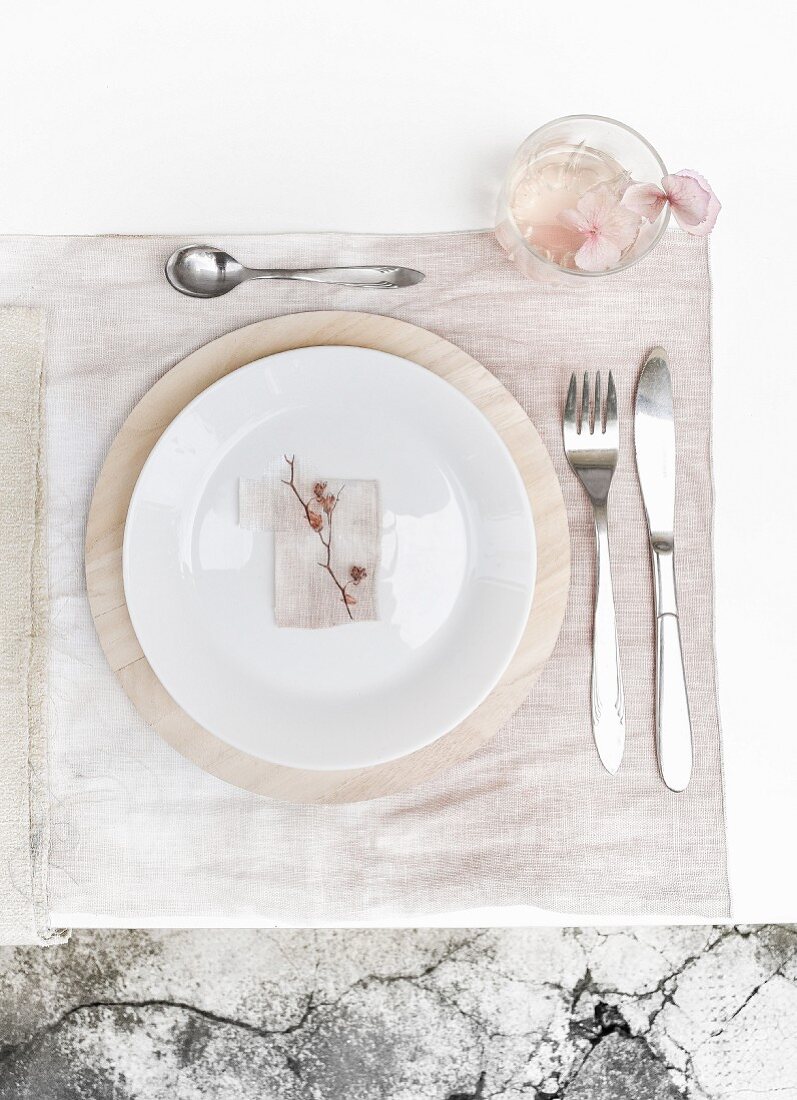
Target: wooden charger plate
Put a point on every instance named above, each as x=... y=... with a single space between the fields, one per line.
x=142 y=430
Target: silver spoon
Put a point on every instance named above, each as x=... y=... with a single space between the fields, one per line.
x=206 y=272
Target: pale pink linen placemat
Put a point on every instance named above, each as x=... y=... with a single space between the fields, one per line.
x=140 y=834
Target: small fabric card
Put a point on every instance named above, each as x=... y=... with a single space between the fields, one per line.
x=327 y=535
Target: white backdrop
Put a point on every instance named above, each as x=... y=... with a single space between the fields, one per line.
x=201 y=117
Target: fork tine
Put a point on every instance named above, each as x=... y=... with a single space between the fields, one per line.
x=570 y=419
x=598 y=409
x=583 y=425
x=611 y=405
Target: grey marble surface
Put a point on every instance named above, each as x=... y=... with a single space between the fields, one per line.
x=543 y=1014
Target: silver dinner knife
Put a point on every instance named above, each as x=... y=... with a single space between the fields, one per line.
x=654 y=440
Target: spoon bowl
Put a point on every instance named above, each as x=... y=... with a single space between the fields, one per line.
x=203 y=272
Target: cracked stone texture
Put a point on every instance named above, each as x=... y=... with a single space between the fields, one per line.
x=539 y=1014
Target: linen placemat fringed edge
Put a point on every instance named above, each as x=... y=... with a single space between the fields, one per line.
x=24 y=787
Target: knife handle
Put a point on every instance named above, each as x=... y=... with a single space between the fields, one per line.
x=673 y=724
x=608 y=701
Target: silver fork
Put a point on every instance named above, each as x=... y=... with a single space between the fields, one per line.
x=592 y=447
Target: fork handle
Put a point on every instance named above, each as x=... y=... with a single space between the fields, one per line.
x=608 y=700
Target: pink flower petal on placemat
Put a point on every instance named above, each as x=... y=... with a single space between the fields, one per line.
x=679 y=187
x=645 y=199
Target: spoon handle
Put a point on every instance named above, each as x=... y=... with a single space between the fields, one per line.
x=387 y=278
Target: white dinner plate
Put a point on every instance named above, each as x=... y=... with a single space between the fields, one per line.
x=456 y=578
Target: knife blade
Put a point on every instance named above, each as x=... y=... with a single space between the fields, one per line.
x=654 y=443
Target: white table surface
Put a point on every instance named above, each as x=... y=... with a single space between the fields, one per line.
x=262 y=116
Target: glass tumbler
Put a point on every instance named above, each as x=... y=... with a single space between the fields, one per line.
x=551 y=173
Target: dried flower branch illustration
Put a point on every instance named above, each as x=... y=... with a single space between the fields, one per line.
x=319 y=510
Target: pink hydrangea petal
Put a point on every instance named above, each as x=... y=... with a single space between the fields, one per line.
x=607 y=226
x=712 y=209
x=597 y=254
x=599 y=211
x=574 y=219
x=688 y=200
x=597 y=205
x=621 y=226
x=645 y=199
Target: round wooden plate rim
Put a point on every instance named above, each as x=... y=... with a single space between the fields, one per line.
x=114 y=488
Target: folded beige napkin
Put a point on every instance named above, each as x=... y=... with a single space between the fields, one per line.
x=24 y=795
x=326 y=542
x=141 y=835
